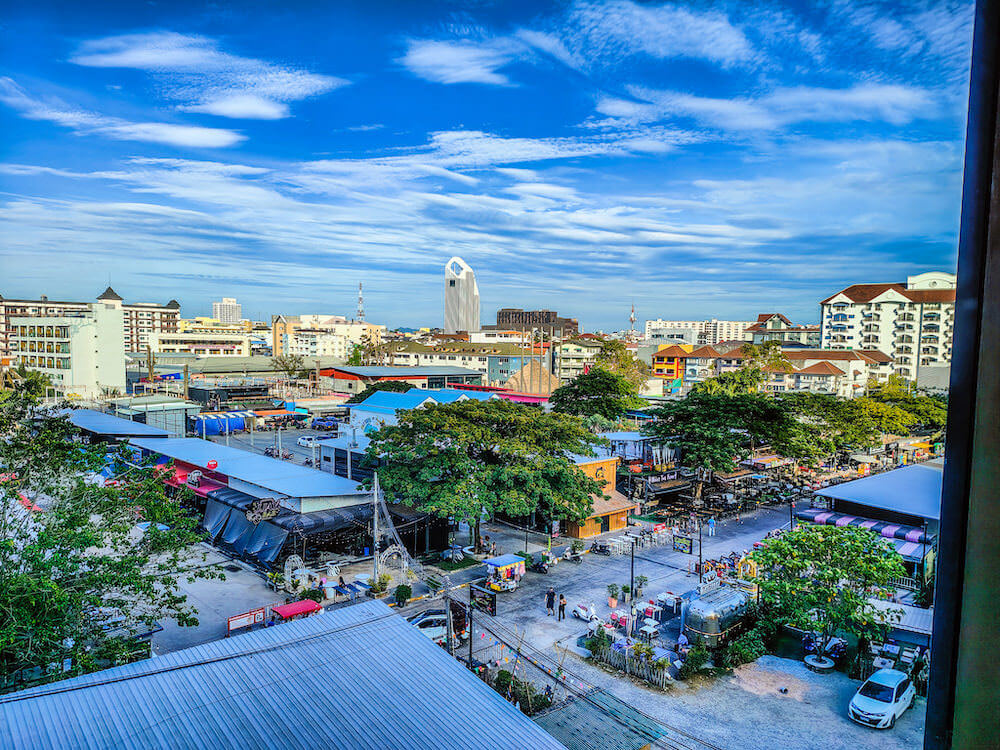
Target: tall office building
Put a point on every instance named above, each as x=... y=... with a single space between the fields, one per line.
x=227 y=311
x=461 y=297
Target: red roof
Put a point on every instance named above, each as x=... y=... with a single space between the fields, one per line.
x=868 y=292
x=296 y=608
x=704 y=352
x=821 y=368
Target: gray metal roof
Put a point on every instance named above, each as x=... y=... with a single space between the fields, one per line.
x=357 y=677
x=914 y=490
x=599 y=721
x=108 y=425
x=282 y=477
x=405 y=372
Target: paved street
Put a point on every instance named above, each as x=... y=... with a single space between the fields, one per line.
x=745 y=709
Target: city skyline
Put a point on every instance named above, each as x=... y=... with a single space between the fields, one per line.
x=719 y=162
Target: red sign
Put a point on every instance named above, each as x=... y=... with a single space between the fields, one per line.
x=213 y=464
x=245 y=620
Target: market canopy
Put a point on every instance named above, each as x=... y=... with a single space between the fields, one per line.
x=503 y=561
x=914 y=490
x=303 y=607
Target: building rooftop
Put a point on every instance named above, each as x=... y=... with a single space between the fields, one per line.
x=339 y=681
x=405 y=372
x=914 y=490
x=270 y=474
x=868 y=292
x=107 y=425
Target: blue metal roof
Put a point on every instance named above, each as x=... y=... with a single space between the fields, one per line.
x=281 y=477
x=503 y=560
x=108 y=425
x=356 y=677
x=393 y=400
x=405 y=372
x=914 y=490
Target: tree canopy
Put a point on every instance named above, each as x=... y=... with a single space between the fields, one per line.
x=616 y=358
x=292 y=365
x=595 y=393
x=395 y=386
x=72 y=560
x=472 y=457
x=819 y=578
x=758 y=360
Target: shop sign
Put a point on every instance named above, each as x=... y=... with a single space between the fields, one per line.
x=245 y=620
x=684 y=544
x=483 y=600
x=262 y=509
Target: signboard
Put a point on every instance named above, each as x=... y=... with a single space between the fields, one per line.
x=262 y=509
x=245 y=620
x=483 y=600
x=684 y=544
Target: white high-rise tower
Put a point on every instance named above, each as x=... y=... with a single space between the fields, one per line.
x=461 y=297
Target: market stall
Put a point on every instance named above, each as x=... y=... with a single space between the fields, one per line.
x=504 y=572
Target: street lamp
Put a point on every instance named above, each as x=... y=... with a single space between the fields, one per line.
x=701 y=566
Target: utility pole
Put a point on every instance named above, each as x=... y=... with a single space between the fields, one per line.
x=314 y=455
x=375 y=491
x=187 y=381
x=631 y=574
x=469 y=625
x=701 y=566
x=451 y=626
x=227 y=431
x=278 y=431
x=791 y=513
x=252 y=420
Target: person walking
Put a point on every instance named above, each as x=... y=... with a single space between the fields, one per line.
x=562 y=607
x=711 y=526
x=550 y=601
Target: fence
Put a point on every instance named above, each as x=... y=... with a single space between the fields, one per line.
x=910 y=584
x=644 y=670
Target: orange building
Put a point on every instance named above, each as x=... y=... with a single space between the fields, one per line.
x=668 y=363
x=607 y=514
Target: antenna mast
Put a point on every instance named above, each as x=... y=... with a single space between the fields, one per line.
x=361 y=304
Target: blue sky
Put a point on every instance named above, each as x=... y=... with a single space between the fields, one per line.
x=697 y=160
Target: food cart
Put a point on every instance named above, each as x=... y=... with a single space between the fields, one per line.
x=504 y=572
x=712 y=616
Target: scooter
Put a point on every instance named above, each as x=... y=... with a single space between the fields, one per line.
x=573 y=556
x=599 y=548
x=540 y=567
x=585 y=612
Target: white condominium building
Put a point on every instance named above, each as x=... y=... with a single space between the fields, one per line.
x=139 y=318
x=227 y=311
x=704 y=332
x=312 y=342
x=461 y=297
x=82 y=352
x=911 y=322
x=221 y=344
x=285 y=327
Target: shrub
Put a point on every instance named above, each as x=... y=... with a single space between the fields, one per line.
x=527 y=558
x=522 y=692
x=577 y=545
x=697 y=658
x=315 y=594
x=381 y=584
x=745 y=649
x=402 y=594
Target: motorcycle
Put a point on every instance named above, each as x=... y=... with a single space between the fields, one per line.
x=572 y=556
x=600 y=548
x=540 y=567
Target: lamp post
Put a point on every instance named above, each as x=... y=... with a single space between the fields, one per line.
x=631 y=574
x=701 y=567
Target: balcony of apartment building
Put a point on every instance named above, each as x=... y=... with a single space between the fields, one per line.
x=932 y=317
x=870 y=340
x=839 y=317
x=930 y=350
x=906 y=317
x=870 y=328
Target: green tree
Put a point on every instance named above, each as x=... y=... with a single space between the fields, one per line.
x=714 y=431
x=31 y=382
x=819 y=579
x=596 y=393
x=291 y=365
x=78 y=578
x=616 y=358
x=396 y=386
x=471 y=458
x=757 y=361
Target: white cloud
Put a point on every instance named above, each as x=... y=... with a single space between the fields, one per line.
x=195 y=72
x=83 y=122
x=603 y=32
x=460 y=61
x=890 y=103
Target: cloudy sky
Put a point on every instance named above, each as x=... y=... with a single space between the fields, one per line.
x=697 y=160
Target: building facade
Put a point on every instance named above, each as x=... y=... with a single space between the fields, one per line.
x=139 y=319
x=461 y=297
x=776 y=327
x=516 y=318
x=705 y=332
x=575 y=357
x=497 y=362
x=82 y=352
x=227 y=311
x=341 y=334
x=911 y=322
x=219 y=344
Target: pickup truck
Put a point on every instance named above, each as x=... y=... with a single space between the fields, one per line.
x=325 y=424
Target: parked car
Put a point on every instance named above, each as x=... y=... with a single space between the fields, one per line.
x=307 y=441
x=434 y=624
x=325 y=424
x=882 y=699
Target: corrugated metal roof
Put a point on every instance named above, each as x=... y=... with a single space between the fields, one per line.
x=357 y=677
x=599 y=721
x=406 y=372
x=915 y=490
x=282 y=477
x=100 y=423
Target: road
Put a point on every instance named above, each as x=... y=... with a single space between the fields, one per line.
x=260 y=440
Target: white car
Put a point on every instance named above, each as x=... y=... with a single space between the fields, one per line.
x=882 y=699
x=308 y=441
x=433 y=624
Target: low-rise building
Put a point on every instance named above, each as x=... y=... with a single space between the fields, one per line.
x=837 y=372
x=776 y=327
x=705 y=331
x=82 y=352
x=497 y=362
x=381 y=408
x=352 y=380
x=165 y=412
x=610 y=510
x=353 y=332
x=668 y=364
x=575 y=357
x=218 y=344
